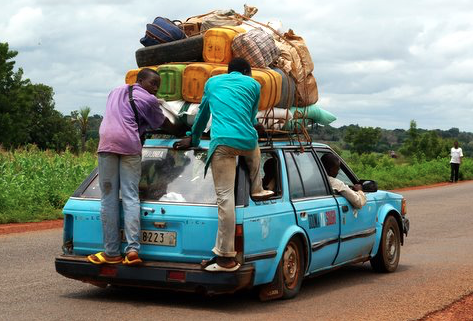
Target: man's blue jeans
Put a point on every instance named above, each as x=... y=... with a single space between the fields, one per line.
x=119 y=172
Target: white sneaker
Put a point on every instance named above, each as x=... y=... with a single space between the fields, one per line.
x=264 y=194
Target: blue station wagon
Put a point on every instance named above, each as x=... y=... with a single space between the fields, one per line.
x=304 y=230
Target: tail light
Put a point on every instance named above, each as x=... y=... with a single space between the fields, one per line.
x=110 y=271
x=239 y=238
x=177 y=276
x=403 y=207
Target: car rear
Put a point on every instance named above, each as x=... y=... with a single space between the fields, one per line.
x=179 y=220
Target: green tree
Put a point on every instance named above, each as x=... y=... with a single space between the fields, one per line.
x=14 y=117
x=27 y=114
x=82 y=119
x=48 y=129
x=362 y=139
x=411 y=144
x=427 y=145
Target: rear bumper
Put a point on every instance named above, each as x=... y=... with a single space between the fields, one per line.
x=162 y=275
x=405 y=224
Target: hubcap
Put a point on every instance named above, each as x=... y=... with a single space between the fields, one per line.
x=290 y=265
x=391 y=246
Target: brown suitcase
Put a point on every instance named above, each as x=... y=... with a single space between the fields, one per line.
x=307 y=92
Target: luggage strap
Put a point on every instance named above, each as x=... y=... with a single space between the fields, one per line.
x=135 y=111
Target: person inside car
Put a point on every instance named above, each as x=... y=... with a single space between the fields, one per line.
x=232 y=99
x=270 y=168
x=354 y=195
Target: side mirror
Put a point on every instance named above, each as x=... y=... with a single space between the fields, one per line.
x=369 y=186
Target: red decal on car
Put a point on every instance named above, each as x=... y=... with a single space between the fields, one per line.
x=330 y=218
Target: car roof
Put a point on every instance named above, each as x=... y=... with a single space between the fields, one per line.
x=204 y=144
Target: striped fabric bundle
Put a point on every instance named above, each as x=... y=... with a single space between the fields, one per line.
x=257 y=47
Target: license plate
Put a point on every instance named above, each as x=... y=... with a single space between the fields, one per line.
x=162 y=238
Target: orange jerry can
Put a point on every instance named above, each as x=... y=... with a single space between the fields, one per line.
x=218 y=44
x=130 y=77
x=219 y=71
x=171 y=81
x=271 y=86
x=194 y=78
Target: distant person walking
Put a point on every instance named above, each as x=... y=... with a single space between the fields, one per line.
x=457 y=155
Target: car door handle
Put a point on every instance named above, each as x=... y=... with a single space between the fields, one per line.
x=344 y=208
x=147 y=209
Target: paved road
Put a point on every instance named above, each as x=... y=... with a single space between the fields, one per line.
x=436 y=268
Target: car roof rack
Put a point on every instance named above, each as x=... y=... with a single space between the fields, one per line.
x=298 y=135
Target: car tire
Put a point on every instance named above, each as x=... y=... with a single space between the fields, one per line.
x=389 y=251
x=292 y=265
x=185 y=50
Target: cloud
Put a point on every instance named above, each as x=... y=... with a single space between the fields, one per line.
x=377 y=63
x=21 y=28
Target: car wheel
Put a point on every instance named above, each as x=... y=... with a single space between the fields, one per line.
x=292 y=265
x=387 y=258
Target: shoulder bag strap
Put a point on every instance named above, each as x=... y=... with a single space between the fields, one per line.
x=133 y=105
x=135 y=111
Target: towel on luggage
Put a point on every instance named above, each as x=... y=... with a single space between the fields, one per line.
x=257 y=47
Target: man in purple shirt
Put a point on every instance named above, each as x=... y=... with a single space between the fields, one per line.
x=119 y=158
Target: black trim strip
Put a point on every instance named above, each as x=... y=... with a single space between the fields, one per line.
x=337 y=266
x=319 y=245
x=260 y=256
x=361 y=234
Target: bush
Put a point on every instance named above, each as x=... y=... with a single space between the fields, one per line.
x=36 y=184
x=391 y=174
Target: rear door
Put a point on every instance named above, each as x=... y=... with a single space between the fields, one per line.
x=357 y=235
x=179 y=215
x=316 y=209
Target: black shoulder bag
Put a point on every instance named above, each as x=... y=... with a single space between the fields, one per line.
x=133 y=106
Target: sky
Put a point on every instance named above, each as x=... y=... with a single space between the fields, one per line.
x=377 y=63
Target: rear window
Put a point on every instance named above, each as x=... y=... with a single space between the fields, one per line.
x=169 y=175
x=176 y=176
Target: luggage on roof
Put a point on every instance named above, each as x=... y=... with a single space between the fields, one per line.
x=171 y=81
x=218 y=44
x=270 y=82
x=288 y=90
x=162 y=30
x=193 y=81
x=213 y=40
x=307 y=92
x=257 y=47
x=184 y=50
x=130 y=77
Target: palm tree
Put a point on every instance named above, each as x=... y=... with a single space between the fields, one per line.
x=83 y=119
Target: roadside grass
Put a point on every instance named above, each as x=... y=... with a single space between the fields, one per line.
x=398 y=173
x=35 y=185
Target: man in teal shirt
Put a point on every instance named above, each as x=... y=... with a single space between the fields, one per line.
x=232 y=99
